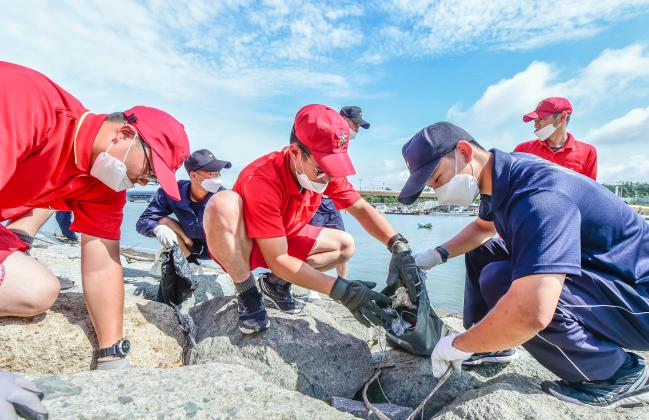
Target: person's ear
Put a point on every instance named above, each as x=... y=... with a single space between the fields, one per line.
x=126 y=132
x=294 y=150
x=465 y=149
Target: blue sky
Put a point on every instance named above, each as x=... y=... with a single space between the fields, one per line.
x=235 y=72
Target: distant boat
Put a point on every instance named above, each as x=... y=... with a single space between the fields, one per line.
x=425 y=225
x=146 y=196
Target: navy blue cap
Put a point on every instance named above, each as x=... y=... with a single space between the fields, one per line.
x=355 y=114
x=423 y=152
x=204 y=160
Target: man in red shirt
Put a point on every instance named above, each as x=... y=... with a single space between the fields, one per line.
x=554 y=142
x=56 y=154
x=264 y=222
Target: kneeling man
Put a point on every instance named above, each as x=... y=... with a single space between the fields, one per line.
x=567 y=278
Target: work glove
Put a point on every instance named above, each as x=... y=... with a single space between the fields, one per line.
x=444 y=355
x=361 y=300
x=403 y=268
x=18 y=396
x=428 y=259
x=165 y=235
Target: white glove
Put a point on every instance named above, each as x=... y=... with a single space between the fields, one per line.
x=445 y=354
x=427 y=259
x=165 y=235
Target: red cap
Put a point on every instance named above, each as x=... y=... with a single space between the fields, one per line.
x=326 y=133
x=547 y=107
x=168 y=142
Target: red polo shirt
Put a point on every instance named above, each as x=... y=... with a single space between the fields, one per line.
x=41 y=165
x=576 y=155
x=273 y=204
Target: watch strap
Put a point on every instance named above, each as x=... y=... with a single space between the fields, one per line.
x=443 y=253
x=396 y=238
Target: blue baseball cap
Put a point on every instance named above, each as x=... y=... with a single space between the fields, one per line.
x=423 y=152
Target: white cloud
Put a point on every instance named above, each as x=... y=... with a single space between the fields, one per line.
x=597 y=92
x=630 y=128
x=439 y=26
x=634 y=168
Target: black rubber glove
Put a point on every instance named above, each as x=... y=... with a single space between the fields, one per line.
x=403 y=270
x=20 y=396
x=361 y=300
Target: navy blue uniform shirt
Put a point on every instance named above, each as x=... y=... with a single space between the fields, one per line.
x=555 y=220
x=188 y=213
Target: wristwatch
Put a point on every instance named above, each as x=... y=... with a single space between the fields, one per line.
x=443 y=253
x=396 y=238
x=119 y=349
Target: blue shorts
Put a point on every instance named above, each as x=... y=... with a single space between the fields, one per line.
x=328 y=216
x=199 y=249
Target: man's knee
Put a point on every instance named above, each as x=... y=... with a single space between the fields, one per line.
x=28 y=288
x=495 y=280
x=223 y=209
x=43 y=297
x=347 y=246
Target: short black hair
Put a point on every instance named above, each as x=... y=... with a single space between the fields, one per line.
x=295 y=140
x=117 y=117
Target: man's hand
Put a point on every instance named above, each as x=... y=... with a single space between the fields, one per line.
x=445 y=354
x=428 y=259
x=403 y=267
x=361 y=301
x=165 y=235
x=20 y=396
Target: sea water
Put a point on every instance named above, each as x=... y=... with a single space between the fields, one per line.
x=445 y=283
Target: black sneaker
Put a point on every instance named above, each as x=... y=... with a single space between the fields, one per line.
x=504 y=356
x=278 y=293
x=252 y=312
x=629 y=387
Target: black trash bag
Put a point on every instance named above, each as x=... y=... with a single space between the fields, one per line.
x=423 y=327
x=177 y=287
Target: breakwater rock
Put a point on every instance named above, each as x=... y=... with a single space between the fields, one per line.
x=292 y=370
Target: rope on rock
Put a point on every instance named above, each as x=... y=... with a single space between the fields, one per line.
x=420 y=407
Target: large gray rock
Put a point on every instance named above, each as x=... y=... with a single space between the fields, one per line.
x=62 y=340
x=207 y=391
x=309 y=352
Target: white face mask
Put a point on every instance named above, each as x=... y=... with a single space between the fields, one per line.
x=352 y=133
x=306 y=183
x=544 y=133
x=211 y=184
x=112 y=171
x=461 y=190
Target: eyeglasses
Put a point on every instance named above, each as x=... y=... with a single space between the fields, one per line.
x=318 y=173
x=150 y=175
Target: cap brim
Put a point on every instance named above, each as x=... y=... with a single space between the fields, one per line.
x=417 y=182
x=536 y=114
x=335 y=164
x=361 y=122
x=215 y=166
x=166 y=177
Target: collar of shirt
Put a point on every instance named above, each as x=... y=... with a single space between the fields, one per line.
x=86 y=139
x=500 y=182
x=569 y=145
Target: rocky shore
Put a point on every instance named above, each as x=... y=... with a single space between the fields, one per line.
x=303 y=367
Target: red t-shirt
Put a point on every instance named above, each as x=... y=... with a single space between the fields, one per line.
x=274 y=205
x=41 y=166
x=576 y=155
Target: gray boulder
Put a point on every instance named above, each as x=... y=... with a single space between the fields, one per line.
x=309 y=352
x=207 y=391
x=62 y=340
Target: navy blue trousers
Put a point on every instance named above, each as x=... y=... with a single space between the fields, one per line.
x=597 y=315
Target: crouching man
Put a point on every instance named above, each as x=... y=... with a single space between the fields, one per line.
x=567 y=278
x=263 y=222
x=56 y=154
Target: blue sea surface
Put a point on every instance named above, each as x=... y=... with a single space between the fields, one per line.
x=370 y=262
